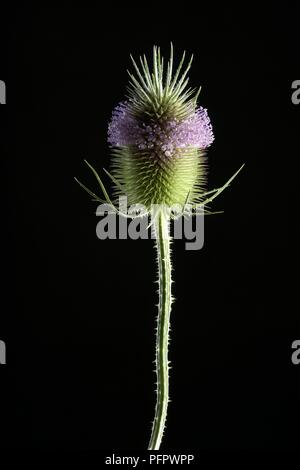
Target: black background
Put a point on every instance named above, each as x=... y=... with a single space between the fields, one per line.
x=78 y=314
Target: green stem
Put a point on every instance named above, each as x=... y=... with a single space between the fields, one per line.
x=162 y=332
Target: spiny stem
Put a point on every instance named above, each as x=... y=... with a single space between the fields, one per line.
x=162 y=334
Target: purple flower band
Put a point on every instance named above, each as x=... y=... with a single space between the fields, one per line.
x=166 y=135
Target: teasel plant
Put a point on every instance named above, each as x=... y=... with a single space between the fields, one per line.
x=158 y=138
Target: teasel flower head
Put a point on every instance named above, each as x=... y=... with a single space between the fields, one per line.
x=159 y=135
